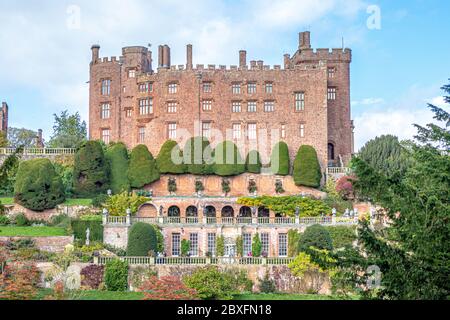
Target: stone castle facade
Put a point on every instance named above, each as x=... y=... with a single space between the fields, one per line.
x=305 y=101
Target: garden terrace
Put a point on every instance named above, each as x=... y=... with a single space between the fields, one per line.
x=35 y=153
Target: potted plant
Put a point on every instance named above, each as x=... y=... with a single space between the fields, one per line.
x=199 y=188
x=226 y=187
x=279 y=187
x=185 y=247
x=252 y=188
x=172 y=186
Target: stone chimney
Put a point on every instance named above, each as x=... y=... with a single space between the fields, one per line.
x=287 y=61
x=304 y=40
x=189 y=64
x=166 y=57
x=95 y=52
x=160 y=56
x=242 y=58
x=39 y=139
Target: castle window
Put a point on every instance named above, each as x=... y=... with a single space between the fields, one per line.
x=251 y=87
x=172 y=107
x=331 y=72
x=106 y=87
x=331 y=93
x=207 y=105
x=282 y=244
x=206 y=129
x=283 y=131
x=299 y=101
x=146 y=87
x=302 y=131
x=269 y=87
x=193 y=238
x=265 y=243
x=145 y=106
x=247 y=244
x=236 y=131
x=141 y=135
x=236 y=107
x=173 y=88
x=252 y=131
x=212 y=243
x=106 y=111
x=131 y=73
x=172 y=129
x=207 y=87
x=269 y=106
x=236 y=88
x=128 y=113
x=106 y=136
x=176 y=239
x=251 y=106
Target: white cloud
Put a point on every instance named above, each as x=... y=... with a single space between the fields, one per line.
x=368 y=102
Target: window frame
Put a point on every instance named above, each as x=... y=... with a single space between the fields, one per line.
x=105 y=113
x=299 y=101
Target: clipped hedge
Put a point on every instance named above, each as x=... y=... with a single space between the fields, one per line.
x=79 y=228
x=307 y=168
x=143 y=169
x=279 y=160
x=116 y=275
x=316 y=236
x=253 y=162
x=165 y=162
x=117 y=156
x=91 y=170
x=198 y=156
x=37 y=186
x=228 y=160
x=141 y=240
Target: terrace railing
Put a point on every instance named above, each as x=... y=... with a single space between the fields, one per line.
x=39 y=151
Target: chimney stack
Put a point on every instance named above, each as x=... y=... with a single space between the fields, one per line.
x=39 y=139
x=242 y=58
x=189 y=64
x=287 y=61
x=166 y=57
x=260 y=64
x=95 y=52
x=160 y=56
x=304 y=40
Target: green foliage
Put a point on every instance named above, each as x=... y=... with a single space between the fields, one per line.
x=118 y=204
x=21 y=138
x=239 y=246
x=142 y=240
x=287 y=205
x=279 y=187
x=252 y=187
x=293 y=241
x=99 y=200
x=21 y=220
x=279 y=160
x=143 y=169
x=185 y=247
x=165 y=162
x=228 y=160
x=66 y=174
x=256 y=246
x=267 y=285
x=91 y=170
x=8 y=172
x=253 y=162
x=172 y=185
x=116 y=275
x=159 y=239
x=342 y=236
x=37 y=186
x=220 y=246
x=68 y=131
x=303 y=264
x=199 y=187
x=117 y=156
x=4 y=220
x=3 y=140
x=198 y=156
x=226 y=186
x=334 y=199
x=79 y=228
x=307 y=168
x=316 y=236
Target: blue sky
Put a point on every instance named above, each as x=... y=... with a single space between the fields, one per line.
x=396 y=69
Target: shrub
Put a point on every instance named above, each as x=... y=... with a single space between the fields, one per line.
x=66 y=174
x=239 y=246
x=4 y=221
x=256 y=246
x=342 y=236
x=99 y=200
x=116 y=275
x=91 y=170
x=228 y=160
x=344 y=187
x=61 y=221
x=220 y=246
x=141 y=240
x=316 y=236
x=143 y=169
x=252 y=188
x=267 y=285
x=117 y=156
x=198 y=156
x=37 y=186
x=293 y=242
x=211 y=284
x=21 y=220
x=79 y=228
x=172 y=185
x=307 y=168
x=199 y=187
x=303 y=264
x=279 y=160
x=19 y=281
x=159 y=239
x=185 y=247
x=253 y=162
x=226 y=186
x=167 y=288
x=92 y=276
x=118 y=204
x=165 y=162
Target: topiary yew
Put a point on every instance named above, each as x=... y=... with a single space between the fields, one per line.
x=253 y=162
x=279 y=160
x=142 y=240
x=307 y=168
x=143 y=169
x=316 y=236
x=198 y=156
x=165 y=161
x=117 y=156
x=37 y=186
x=228 y=160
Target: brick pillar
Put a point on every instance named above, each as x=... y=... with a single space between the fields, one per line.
x=242 y=58
x=189 y=64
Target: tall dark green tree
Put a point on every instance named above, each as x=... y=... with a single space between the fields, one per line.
x=68 y=131
x=253 y=162
x=117 y=156
x=228 y=160
x=143 y=169
x=413 y=253
x=91 y=170
x=279 y=160
x=198 y=156
x=8 y=172
x=307 y=168
x=170 y=159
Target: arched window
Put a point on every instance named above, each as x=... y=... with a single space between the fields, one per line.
x=174 y=211
x=191 y=211
x=263 y=212
x=331 y=155
x=210 y=212
x=245 y=212
x=227 y=212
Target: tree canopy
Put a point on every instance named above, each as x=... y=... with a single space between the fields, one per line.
x=117 y=156
x=21 y=138
x=68 y=131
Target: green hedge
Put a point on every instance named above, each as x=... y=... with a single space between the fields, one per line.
x=117 y=156
x=342 y=236
x=316 y=236
x=253 y=162
x=228 y=160
x=79 y=228
x=143 y=169
x=198 y=156
x=116 y=275
x=279 y=160
x=165 y=162
x=141 y=240
x=307 y=168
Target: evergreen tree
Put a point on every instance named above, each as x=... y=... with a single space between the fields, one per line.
x=228 y=160
x=68 y=131
x=279 y=161
x=165 y=162
x=198 y=156
x=143 y=169
x=307 y=168
x=117 y=156
x=253 y=162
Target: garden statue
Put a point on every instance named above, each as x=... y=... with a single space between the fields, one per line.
x=88 y=234
x=160 y=211
x=297 y=212
x=334 y=212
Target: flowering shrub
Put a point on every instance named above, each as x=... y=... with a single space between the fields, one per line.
x=118 y=204
x=19 y=281
x=92 y=276
x=167 y=288
x=345 y=187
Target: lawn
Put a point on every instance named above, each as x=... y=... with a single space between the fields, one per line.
x=7 y=201
x=31 y=232
x=77 y=202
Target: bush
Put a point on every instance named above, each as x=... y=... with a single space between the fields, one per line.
x=4 y=221
x=21 y=220
x=316 y=236
x=307 y=170
x=165 y=162
x=91 y=170
x=116 y=275
x=79 y=228
x=226 y=186
x=185 y=247
x=143 y=169
x=117 y=156
x=166 y=288
x=118 y=204
x=342 y=236
x=61 y=221
x=267 y=285
x=220 y=246
x=198 y=156
x=92 y=277
x=66 y=174
x=256 y=246
x=293 y=242
x=99 y=200
x=37 y=186
x=279 y=161
x=159 y=238
x=253 y=162
x=141 y=240
x=228 y=160
x=211 y=284
x=344 y=187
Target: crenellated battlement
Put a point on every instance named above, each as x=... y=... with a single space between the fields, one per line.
x=335 y=54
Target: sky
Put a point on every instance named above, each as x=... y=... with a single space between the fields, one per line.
x=400 y=49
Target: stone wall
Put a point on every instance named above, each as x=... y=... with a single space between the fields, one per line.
x=50 y=244
x=116 y=236
x=71 y=211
